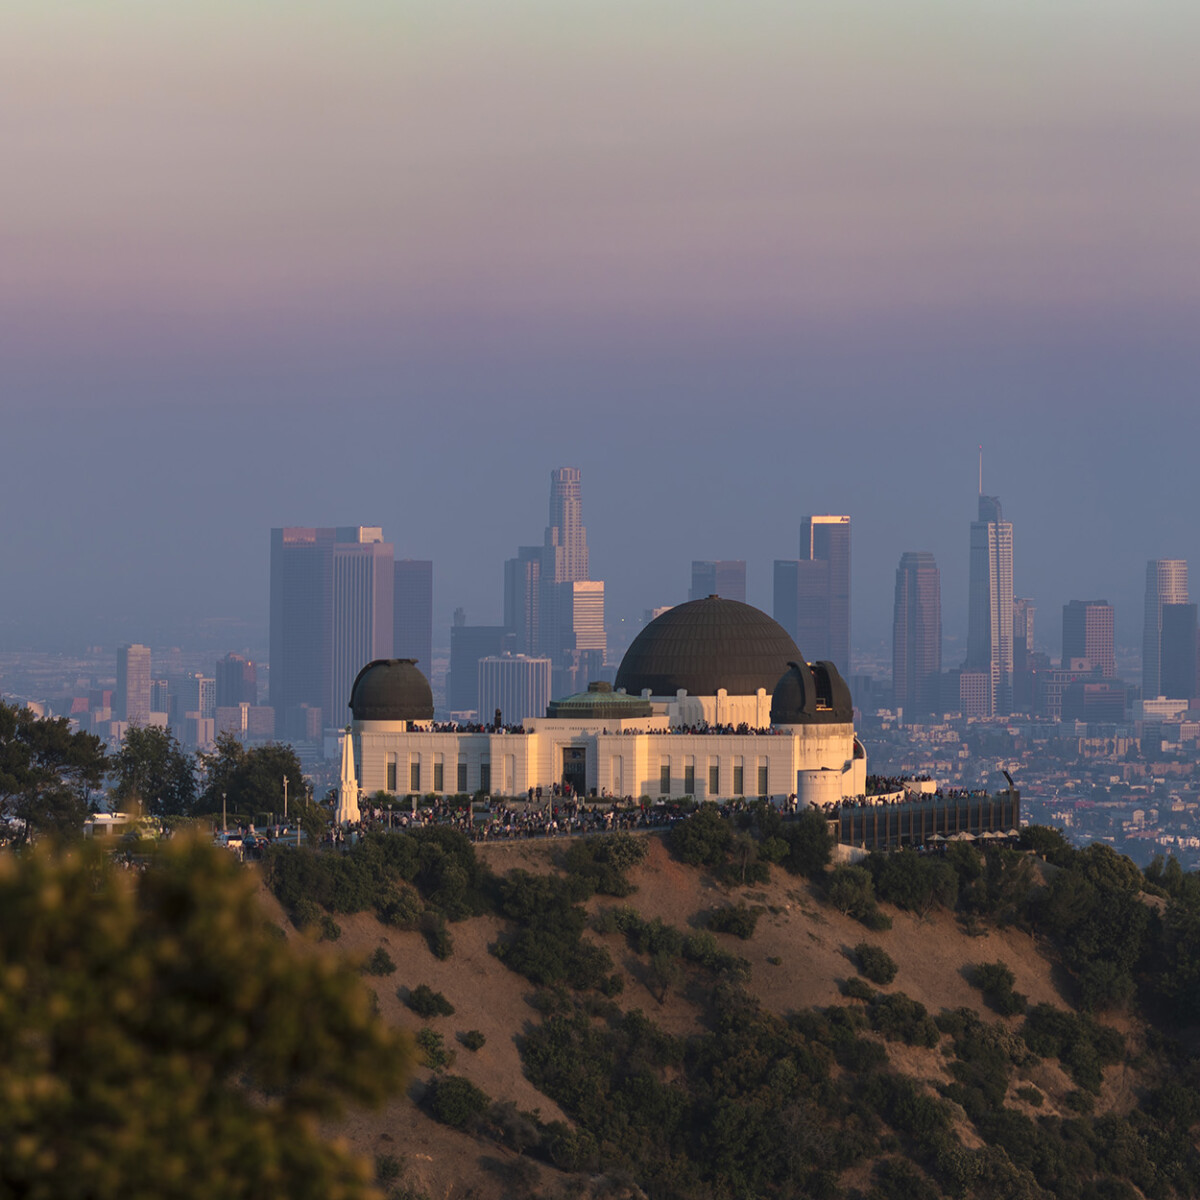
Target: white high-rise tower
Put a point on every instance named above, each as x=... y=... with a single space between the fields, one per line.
x=990 y=603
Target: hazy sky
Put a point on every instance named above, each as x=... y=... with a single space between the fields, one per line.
x=389 y=263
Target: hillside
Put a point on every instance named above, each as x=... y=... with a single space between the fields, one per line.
x=867 y=1064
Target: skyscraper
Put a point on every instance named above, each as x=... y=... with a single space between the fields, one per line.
x=522 y=590
x=721 y=577
x=917 y=634
x=363 y=593
x=412 y=627
x=566 y=552
x=1166 y=583
x=827 y=539
x=1088 y=632
x=132 y=698
x=1178 y=653
x=331 y=614
x=801 y=604
x=1024 y=611
x=990 y=603
x=237 y=681
x=812 y=593
x=517 y=685
x=570 y=605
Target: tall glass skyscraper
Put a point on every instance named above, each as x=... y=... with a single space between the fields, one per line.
x=1166 y=583
x=990 y=603
x=917 y=634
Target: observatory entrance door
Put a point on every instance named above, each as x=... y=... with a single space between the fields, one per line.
x=574 y=769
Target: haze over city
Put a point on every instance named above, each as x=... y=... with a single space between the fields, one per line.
x=271 y=265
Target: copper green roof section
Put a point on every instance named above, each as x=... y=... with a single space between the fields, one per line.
x=706 y=645
x=598 y=703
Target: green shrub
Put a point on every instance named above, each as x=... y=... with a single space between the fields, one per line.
x=703 y=838
x=379 y=963
x=858 y=989
x=995 y=981
x=901 y=1019
x=875 y=963
x=740 y=920
x=437 y=935
x=472 y=1039
x=433 y=1050
x=427 y=1003
x=330 y=929
x=1031 y=1095
x=810 y=844
x=604 y=859
x=456 y=1101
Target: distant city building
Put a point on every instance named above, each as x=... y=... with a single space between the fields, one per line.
x=412 y=626
x=917 y=634
x=566 y=551
x=1177 y=669
x=468 y=644
x=990 y=604
x=195 y=694
x=1088 y=632
x=1024 y=611
x=247 y=722
x=975 y=693
x=363 y=592
x=827 y=539
x=720 y=577
x=132 y=699
x=237 y=681
x=522 y=590
x=812 y=593
x=1166 y=583
x=515 y=685
x=564 y=561
x=160 y=696
x=331 y=613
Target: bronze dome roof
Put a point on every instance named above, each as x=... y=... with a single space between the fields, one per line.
x=706 y=645
x=391 y=689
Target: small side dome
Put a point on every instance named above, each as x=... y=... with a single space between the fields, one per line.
x=832 y=691
x=391 y=689
x=794 y=700
x=810 y=694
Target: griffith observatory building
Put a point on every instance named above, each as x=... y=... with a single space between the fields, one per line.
x=712 y=700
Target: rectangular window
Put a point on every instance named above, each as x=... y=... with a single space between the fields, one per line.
x=485 y=778
x=714 y=780
x=391 y=775
x=762 y=779
x=462 y=776
x=438 y=777
x=414 y=775
x=689 y=780
x=664 y=779
x=739 y=787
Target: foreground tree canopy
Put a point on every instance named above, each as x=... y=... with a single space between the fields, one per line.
x=159 y=1038
x=46 y=772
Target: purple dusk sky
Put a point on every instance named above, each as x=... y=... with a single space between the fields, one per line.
x=389 y=263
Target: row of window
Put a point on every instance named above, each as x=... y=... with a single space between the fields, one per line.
x=714 y=779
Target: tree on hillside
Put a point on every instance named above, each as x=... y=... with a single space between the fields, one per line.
x=154 y=773
x=46 y=773
x=251 y=781
x=159 y=1039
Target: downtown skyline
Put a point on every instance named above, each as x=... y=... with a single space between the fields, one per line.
x=390 y=263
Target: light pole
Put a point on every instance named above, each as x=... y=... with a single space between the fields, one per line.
x=285 y=799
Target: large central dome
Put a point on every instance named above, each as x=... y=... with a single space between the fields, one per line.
x=706 y=645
